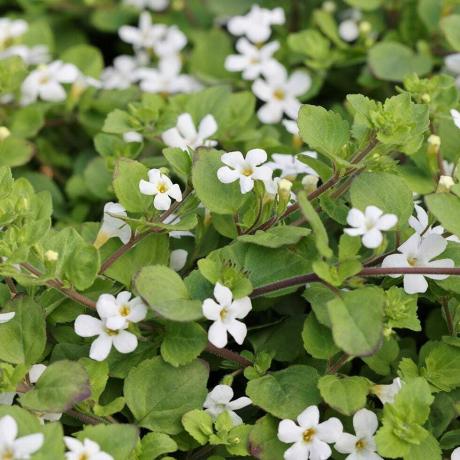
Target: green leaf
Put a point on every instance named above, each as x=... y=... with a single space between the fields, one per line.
x=166 y=293
x=381 y=361
x=346 y=395
x=27 y=121
x=319 y=231
x=198 y=425
x=323 y=130
x=393 y=61
x=183 y=342
x=23 y=339
x=61 y=386
x=366 y=5
x=216 y=196
x=317 y=339
x=442 y=367
x=445 y=208
x=6 y=181
x=159 y=395
x=263 y=439
x=118 y=440
x=15 y=151
x=276 y=237
x=401 y=310
x=180 y=162
x=153 y=445
x=285 y=393
x=126 y=177
x=87 y=58
x=386 y=191
x=357 y=320
x=118 y=122
x=450 y=25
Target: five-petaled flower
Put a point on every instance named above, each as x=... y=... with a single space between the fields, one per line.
x=369 y=225
x=161 y=187
x=220 y=400
x=419 y=251
x=280 y=92
x=185 y=135
x=246 y=170
x=310 y=437
x=14 y=448
x=360 y=446
x=84 y=450
x=225 y=313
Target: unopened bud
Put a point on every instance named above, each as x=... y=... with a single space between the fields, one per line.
x=329 y=6
x=434 y=142
x=4 y=133
x=51 y=256
x=426 y=98
x=284 y=188
x=445 y=184
x=310 y=183
x=365 y=27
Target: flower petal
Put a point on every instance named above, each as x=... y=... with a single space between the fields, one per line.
x=387 y=221
x=100 y=348
x=87 y=326
x=431 y=246
x=289 y=431
x=372 y=238
x=223 y=294
x=208 y=126
x=237 y=330
x=227 y=175
x=346 y=443
x=330 y=430
x=27 y=445
x=147 y=188
x=106 y=306
x=441 y=263
x=125 y=342
x=221 y=394
x=414 y=284
x=309 y=417
x=186 y=126
x=8 y=430
x=211 y=310
x=356 y=218
x=217 y=334
x=298 y=451
x=241 y=307
x=162 y=202
x=365 y=423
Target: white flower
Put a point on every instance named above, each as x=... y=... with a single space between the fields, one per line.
x=155 y=5
x=448 y=167
x=172 y=219
x=132 y=136
x=167 y=78
x=455 y=454
x=348 y=30
x=123 y=73
x=185 y=135
x=387 y=393
x=162 y=188
x=362 y=446
x=31 y=56
x=455 y=117
x=252 y=59
x=310 y=437
x=5 y=317
x=11 y=29
x=291 y=126
x=290 y=166
x=35 y=372
x=246 y=170
x=122 y=340
x=177 y=259
x=45 y=82
x=419 y=252
x=225 y=314
x=86 y=450
x=279 y=186
x=256 y=24
x=14 y=448
x=112 y=225
x=369 y=225
x=220 y=400
x=120 y=311
x=452 y=62
x=280 y=92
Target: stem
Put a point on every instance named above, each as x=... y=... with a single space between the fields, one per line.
x=228 y=354
x=85 y=418
x=448 y=315
x=333 y=368
x=369 y=271
x=11 y=286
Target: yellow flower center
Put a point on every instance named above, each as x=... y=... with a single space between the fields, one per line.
x=83 y=456
x=223 y=313
x=162 y=188
x=124 y=310
x=8 y=455
x=309 y=434
x=412 y=261
x=279 y=94
x=247 y=172
x=360 y=444
x=110 y=331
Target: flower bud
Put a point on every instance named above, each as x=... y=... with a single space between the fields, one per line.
x=284 y=189
x=51 y=256
x=310 y=183
x=4 y=133
x=445 y=184
x=434 y=142
x=365 y=27
x=426 y=98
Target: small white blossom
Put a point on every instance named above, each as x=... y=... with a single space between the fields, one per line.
x=455 y=454
x=167 y=78
x=11 y=29
x=185 y=135
x=246 y=170
x=220 y=400
x=132 y=136
x=349 y=30
x=290 y=166
x=120 y=311
x=419 y=251
x=122 y=74
x=455 y=117
x=452 y=62
x=160 y=186
x=225 y=313
x=86 y=450
x=369 y=225
x=280 y=92
x=387 y=393
x=309 y=437
x=112 y=225
x=362 y=445
x=256 y=24
x=5 y=317
x=154 y=5
x=31 y=56
x=252 y=59
x=14 y=448
x=45 y=82
x=177 y=259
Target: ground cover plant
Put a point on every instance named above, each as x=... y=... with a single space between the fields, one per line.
x=229 y=229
